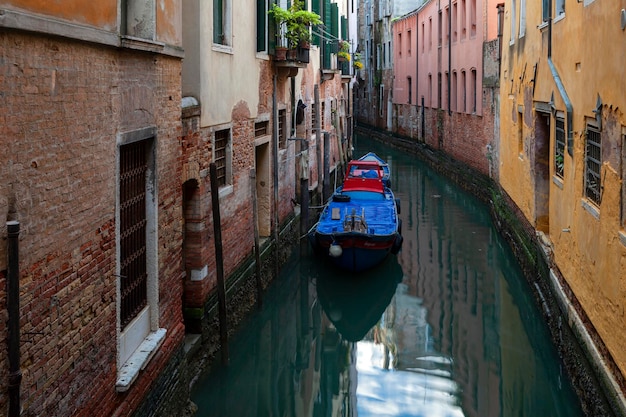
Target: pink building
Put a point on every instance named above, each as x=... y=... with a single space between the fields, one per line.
x=445 y=70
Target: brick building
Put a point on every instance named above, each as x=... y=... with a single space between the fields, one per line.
x=90 y=126
x=446 y=79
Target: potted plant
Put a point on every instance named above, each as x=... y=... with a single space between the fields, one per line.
x=292 y=25
x=281 y=17
x=344 y=51
x=298 y=28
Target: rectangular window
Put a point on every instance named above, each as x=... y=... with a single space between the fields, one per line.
x=262 y=7
x=399 y=44
x=137 y=269
x=282 y=129
x=593 y=162
x=473 y=18
x=559 y=146
x=410 y=85
x=222 y=22
x=463 y=19
x=464 y=90
x=132 y=208
x=430 y=90
x=430 y=34
x=520 y=133
x=439 y=94
x=522 y=18
x=454 y=22
x=513 y=21
x=261 y=129
x=559 y=8
x=545 y=10
x=314 y=117
x=453 y=96
x=381 y=99
x=408 y=42
x=222 y=156
x=439 y=29
x=474 y=91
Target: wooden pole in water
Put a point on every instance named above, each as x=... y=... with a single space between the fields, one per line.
x=325 y=188
x=257 y=257
x=219 y=262
x=318 y=138
x=304 y=194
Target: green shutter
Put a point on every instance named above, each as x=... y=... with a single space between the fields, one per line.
x=327 y=25
x=218 y=23
x=315 y=8
x=344 y=28
x=261 y=27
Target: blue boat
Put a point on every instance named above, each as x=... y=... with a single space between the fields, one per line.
x=359 y=226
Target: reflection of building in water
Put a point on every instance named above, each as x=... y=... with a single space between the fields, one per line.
x=447 y=305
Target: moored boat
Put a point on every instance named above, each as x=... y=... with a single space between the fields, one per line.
x=359 y=226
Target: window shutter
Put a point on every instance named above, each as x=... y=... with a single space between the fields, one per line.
x=315 y=8
x=327 y=25
x=261 y=25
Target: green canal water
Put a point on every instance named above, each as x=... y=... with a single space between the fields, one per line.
x=448 y=327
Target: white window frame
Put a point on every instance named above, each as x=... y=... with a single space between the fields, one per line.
x=139 y=340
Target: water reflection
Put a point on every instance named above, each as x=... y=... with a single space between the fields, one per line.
x=446 y=328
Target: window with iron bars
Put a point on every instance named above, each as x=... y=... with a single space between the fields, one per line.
x=132 y=192
x=593 y=158
x=282 y=129
x=221 y=156
x=261 y=128
x=559 y=146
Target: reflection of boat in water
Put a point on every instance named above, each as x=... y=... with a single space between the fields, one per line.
x=355 y=303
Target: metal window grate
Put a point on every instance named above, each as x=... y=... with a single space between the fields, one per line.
x=133 y=168
x=593 y=158
x=261 y=129
x=559 y=147
x=221 y=144
x=282 y=129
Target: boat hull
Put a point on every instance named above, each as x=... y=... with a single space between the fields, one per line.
x=358 y=252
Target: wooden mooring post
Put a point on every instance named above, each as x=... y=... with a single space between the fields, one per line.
x=219 y=262
x=257 y=249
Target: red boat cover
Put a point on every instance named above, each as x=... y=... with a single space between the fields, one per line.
x=364 y=176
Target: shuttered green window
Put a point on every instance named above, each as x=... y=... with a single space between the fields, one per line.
x=261 y=25
x=218 y=21
x=316 y=8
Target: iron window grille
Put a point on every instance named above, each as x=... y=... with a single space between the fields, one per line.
x=593 y=158
x=559 y=146
x=221 y=145
x=133 y=221
x=282 y=129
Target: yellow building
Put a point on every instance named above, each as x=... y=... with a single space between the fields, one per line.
x=562 y=150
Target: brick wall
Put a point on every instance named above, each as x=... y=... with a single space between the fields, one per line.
x=62 y=105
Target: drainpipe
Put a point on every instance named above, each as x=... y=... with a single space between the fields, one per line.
x=559 y=85
x=449 y=57
x=275 y=171
x=13 y=309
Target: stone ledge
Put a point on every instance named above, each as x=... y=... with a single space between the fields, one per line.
x=139 y=359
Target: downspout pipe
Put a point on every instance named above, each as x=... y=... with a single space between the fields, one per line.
x=569 y=109
x=449 y=57
x=13 y=309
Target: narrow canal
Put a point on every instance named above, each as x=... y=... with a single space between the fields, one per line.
x=447 y=327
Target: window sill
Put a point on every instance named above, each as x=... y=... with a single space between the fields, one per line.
x=591 y=209
x=225 y=190
x=138 y=360
x=557 y=181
